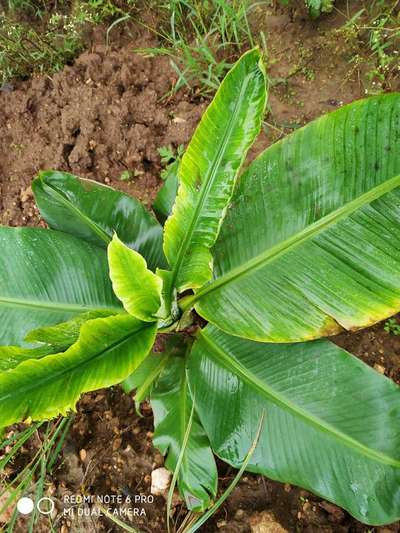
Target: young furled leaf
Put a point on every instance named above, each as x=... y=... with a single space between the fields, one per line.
x=209 y=168
x=137 y=287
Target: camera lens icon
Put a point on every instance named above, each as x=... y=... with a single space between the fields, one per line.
x=26 y=505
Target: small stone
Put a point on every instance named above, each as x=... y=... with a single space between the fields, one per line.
x=26 y=194
x=82 y=455
x=160 y=481
x=379 y=368
x=117 y=443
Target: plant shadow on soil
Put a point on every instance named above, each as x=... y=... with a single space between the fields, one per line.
x=104 y=115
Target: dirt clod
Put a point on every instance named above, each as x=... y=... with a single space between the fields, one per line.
x=265 y=522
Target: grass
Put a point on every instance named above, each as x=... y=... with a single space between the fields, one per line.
x=203 y=39
x=46 y=441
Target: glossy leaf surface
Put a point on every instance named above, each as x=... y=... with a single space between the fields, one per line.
x=311 y=243
x=151 y=366
x=172 y=406
x=47 y=277
x=107 y=351
x=138 y=288
x=332 y=424
x=12 y=356
x=48 y=340
x=93 y=212
x=65 y=333
x=209 y=168
x=165 y=198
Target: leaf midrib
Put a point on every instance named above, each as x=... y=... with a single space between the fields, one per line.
x=273 y=253
x=54 y=306
x=251 y=379
x=208 y=182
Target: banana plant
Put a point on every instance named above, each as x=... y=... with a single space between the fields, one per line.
x=300 y=245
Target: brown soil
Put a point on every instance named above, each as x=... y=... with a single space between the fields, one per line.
x=104 y=115
x=97 y=119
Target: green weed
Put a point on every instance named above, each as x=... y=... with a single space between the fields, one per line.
x=376 y=29
x=170 y=159
x=392 y=326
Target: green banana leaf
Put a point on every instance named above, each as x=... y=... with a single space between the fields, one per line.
x=311 y=242
x=209 y=168
x=12 y=356
x=166 y=196
x=65 y=334
x=47 y=277
x=172 y=406
x=93 y=212
x=107 y=351
x=332 y=424
x=138 y=288
x=51 y=340
x=145 y=376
